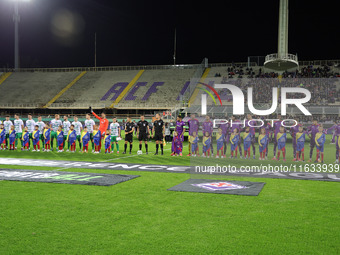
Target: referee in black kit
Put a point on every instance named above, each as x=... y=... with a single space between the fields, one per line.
x=143 y=133
x=129 y=128
x=158 y=133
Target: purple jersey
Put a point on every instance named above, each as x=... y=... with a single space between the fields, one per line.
x=179 y=127
x=313 y=129
x=268 y=129
x=193 y=126
x=336 y=129
x=235 y=124
x=294 y=130
x=224 y=127
x=277 y=125
x=207 y=126
x=251 y=129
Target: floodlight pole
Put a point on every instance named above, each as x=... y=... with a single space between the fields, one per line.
x=95 y=51
x=175 y=42
x=283 y=29
x=16 y=19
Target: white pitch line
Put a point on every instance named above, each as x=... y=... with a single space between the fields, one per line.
x=120 y=158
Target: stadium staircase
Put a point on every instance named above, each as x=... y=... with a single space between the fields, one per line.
x=33 y=89
x=65 y=89
x=4 y=76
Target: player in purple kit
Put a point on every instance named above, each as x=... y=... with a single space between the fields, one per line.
x=193 y=124
x=336 y=134
x=276 y=127
x=333 y=128
x=312 y=130
x=225 y=133
x=249 y=123
x=235 y=123
x=180 y=129
x=207 y=126
x=269 y=133
x=293 y=131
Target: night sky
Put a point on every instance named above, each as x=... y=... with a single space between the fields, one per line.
x=60 y=33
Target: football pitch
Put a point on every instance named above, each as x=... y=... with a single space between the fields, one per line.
x=141 y=216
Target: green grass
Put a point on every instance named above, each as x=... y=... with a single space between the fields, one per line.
x=141 y=217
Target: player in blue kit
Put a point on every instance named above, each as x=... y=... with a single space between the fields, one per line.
x=36 y=138
x=60 y=139
x=206 y=144
x=108 y=141
x=320 y=139
x=194 y=144
x=85 y=139
x=281 y=138
x=234 y=140
x=263 y=143
x=300 y=137
x=12 y=136
x=220 y=143
x=247 y=142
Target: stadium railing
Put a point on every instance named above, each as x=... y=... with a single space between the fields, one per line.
x=94 y=105
x=284 y=57
x=315 y=109
x=122 y=68
x=158 y=67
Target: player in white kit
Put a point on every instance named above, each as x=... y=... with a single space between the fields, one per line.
x=30 y=124
x=7 y=127
x=78 y=127
x=18 y=127
x=55 y=123
x=41 y=128
x=89 y=123
x=66 y=126
x=115 y=133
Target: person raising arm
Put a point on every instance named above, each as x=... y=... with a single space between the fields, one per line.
x=103 y=123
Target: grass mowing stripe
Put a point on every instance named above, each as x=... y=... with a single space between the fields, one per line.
x=140 y=216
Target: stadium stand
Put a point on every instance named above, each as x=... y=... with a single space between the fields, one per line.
x=152 y=87
x=98 y=89
x=64 y=90
x=128 y=87
x=323 y=84
x=157 y=88
x=33 y=89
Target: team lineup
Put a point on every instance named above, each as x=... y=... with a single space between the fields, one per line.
x=63 y=135
x=57 y=133
x=237 y=133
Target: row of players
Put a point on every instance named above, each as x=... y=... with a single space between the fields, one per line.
x=231 y=134
x=263 y=142
x=62 y=132
x=225 y=135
